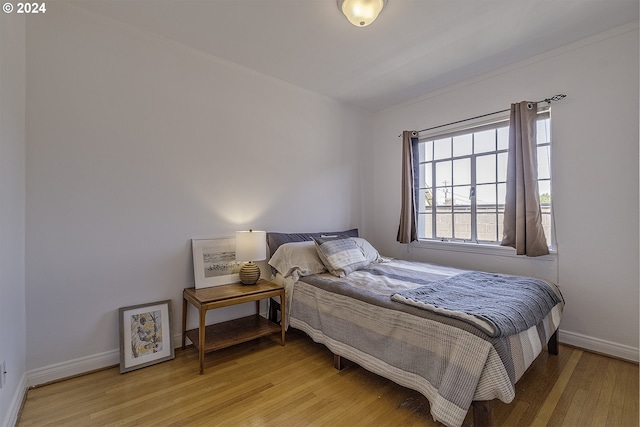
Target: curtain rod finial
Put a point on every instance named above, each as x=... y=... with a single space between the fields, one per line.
x=555 y=98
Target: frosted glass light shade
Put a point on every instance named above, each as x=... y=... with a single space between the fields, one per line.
x=251 y=245
x=361 y=12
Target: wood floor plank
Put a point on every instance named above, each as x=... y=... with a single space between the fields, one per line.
x=614 y=416
x=564 y=402
x=575 y=408
x=606 y=395
x=595 y=389
x=548 y=406
x=516 y=414
x=261 y=383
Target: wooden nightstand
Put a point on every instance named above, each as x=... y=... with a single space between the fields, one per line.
x=225 y=334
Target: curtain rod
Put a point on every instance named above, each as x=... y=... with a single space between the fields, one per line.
x=547 y=100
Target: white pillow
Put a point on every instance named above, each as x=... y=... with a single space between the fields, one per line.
x=370 y=253
x=297 y=259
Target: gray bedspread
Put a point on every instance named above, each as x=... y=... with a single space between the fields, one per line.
x=499 y=304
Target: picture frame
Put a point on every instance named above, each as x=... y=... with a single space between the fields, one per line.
x=214 y=262
x=145 y=335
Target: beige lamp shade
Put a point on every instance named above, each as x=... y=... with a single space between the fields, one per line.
x=250 y=246
x=361 y=12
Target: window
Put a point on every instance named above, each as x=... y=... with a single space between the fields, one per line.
x=463 y=181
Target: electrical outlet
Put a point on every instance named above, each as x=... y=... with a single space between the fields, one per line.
x=3 y=374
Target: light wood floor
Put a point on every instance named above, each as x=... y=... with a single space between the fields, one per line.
x=261 y=383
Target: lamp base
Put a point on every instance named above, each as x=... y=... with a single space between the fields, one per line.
x=249 y=273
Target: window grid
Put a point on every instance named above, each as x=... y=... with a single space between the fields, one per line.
x=447 y=172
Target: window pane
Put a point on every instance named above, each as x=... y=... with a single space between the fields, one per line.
x=443 y=173
x=427 y=148
x=500 y=227
x=462 y=171
x=486 y=168
x=502 y=194
x=484 y=141
x=424 y=226
x=462 y=145
x=487 y=227
x=543 y=131
x=442 y=148
x=443 y=226
x=444 y=196
x=423 y=202
x=486 y=195
x=502 y=166
x=461 y=197
x=428 y=198
x=546 y=226
x=544 y=162
x=503 y=138
x=425 y=174
x=544 y=190
x=462 y=226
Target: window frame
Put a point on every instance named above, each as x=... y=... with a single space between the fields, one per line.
x=493 y=122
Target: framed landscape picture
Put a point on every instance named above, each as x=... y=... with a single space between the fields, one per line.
x=214 y=262
x=145 y=335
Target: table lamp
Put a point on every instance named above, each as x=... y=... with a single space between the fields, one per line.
x=250 y=246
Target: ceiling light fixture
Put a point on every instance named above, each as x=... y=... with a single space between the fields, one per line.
x=361 y=12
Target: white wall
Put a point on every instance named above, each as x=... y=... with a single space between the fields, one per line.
x=12 y=214
x=136 y=144
x=595 y=178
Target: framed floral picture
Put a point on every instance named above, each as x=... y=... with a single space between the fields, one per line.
x=214 y=262
x=145 y=335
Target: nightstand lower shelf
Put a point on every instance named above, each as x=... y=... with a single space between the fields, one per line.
x=236 y=331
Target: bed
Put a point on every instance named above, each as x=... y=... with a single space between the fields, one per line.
x=460 y=338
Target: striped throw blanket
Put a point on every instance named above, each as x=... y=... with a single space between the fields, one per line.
x=499 y=304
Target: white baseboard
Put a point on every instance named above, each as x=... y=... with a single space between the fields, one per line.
x=600 y=346
x=80 y=366
x=11 y=417
x=72 y=367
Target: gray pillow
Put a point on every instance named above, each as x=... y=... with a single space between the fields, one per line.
x=370 y=253
x=340 y=254
x=274 y=240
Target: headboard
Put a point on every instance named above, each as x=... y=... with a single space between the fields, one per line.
x=274 y=240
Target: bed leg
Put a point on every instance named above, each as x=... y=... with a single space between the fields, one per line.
x=482 y=412
x=552 y=347
x=337 y=362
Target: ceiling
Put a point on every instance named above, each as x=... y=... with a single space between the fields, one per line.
x=415 y=46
